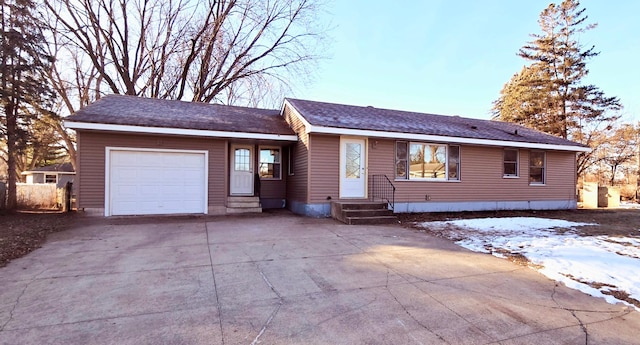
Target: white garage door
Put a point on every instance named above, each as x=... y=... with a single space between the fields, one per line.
x=156 y=182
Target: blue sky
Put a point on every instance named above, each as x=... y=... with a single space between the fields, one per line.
x=453 y=57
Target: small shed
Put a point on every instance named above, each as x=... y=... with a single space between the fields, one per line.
x=58 y=174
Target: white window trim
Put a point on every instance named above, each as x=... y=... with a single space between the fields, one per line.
x=54 y=175
x=107 y=173
x=517 y=175
x=427 y=179
x=270 y=147
x=544 y=169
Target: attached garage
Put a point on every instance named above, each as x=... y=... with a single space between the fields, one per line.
x=149 y=181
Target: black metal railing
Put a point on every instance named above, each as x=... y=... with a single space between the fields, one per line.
x=382 y=189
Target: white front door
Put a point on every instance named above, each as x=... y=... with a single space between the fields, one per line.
x=352 y=168
x=241 y=170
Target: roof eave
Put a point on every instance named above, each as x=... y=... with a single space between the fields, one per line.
x=440 y=138
x=48 y=172
x=177 y=131
x=305 y=123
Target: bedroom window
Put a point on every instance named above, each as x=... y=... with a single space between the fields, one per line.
x=537 y=167
x=510 y=163
x=270 y=167
x=426 y=161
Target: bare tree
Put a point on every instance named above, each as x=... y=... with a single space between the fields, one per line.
x=241 y=52
x=620 y=148
x=203 y=51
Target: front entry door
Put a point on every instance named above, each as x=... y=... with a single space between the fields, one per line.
x=352 y=168
x=241 y=170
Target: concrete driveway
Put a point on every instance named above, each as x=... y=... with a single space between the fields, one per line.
x=282 y=279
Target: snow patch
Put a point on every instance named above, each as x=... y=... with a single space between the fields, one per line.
x=595 y=265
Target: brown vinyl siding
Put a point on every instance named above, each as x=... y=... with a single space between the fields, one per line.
x=324 y=170
x=481 y=176
x=91 y=161
x=273 y=189
x=298 y=183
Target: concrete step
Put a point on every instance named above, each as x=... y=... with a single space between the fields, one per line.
x=367 y=212
x=362 y=212
x=365 y=205
x=243 y=204
x=238 y=210
x=372 y=220
x=242 y=198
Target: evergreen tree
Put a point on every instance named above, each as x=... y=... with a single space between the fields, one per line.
x=23 y=88
x=549 y=94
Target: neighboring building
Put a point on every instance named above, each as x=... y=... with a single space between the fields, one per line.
x=149 y=156
x=58 y=174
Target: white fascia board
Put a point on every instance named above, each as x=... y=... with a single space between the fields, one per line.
x=441 y=138
x=304 y=121
x=48 y=172
x=177 y=131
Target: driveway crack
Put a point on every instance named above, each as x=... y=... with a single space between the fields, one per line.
x=275 y=311
x=409 y=313
x=215 y=286
x=573 y=313
x=15 y=305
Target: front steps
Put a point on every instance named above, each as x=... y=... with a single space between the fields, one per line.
x=362 y=212
x=243 y=204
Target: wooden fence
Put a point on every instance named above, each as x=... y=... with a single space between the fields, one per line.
x=43 y=196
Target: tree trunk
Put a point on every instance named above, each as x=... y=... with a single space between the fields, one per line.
x=11 y=155
x=613 y=173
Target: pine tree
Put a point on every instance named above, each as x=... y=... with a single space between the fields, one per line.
x=549 y=94
x=23 y=89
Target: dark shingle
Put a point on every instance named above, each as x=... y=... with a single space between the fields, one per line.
x=62 y=167
x=149 y=112
x=370 y=118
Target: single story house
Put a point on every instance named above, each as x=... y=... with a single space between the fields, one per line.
x=149 y=156
x=58 y=174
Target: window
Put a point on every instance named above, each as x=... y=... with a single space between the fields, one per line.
x=50 y=178
x=427 y=161
x=401 y=160
x=537 y=165
x=510 y=163
x=242 y=160
x=290 y=164
x=269 y=163
x=454 y=163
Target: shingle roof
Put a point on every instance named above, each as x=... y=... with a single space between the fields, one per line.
x=376 y=119
x=148 y=112
x=62 y=167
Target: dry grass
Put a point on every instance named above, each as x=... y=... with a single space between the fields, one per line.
x=37 y=196
x=21 y=233
x=612 y=222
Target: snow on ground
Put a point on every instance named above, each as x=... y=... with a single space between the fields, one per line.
x=596 y=265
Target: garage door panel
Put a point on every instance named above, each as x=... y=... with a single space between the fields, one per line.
x=149 y=182
x=190 y=162
x=192 y=176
